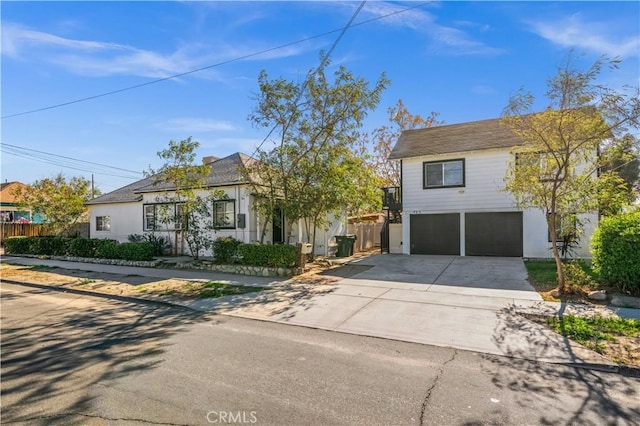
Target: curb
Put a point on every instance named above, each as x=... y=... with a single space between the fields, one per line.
x=130 y=299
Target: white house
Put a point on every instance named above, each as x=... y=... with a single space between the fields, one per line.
x=452 y=197
x=135 y=208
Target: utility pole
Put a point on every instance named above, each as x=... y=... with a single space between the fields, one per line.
x=93 y=190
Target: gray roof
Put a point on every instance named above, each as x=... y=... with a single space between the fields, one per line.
x=472 y=136
x=228 y=171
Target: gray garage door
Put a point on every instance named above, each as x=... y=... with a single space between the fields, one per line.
x=435 y=233
x=493 y=234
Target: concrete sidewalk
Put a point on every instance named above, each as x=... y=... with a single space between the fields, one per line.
x=481 y=319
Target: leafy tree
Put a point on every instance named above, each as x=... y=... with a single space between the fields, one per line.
x=556 y=167
x=187 y=203
x=310 y=166
x=384 y=138
x=60 y=200
x=620 y=168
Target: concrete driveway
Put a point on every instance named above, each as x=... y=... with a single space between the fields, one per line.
x=460 y=302
x=486 y=276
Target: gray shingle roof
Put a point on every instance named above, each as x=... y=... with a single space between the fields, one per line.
x=472 y=136
x=226 y=171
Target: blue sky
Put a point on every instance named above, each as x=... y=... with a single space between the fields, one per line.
x=460 y=59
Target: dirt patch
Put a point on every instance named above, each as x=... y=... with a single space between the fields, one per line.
x=624 y=350
x=122 y=285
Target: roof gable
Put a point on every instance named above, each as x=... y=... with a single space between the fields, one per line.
x=463 y=137
x=228 y=171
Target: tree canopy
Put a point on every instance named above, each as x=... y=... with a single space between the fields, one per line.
x=556 y=168
x=61 y=200
x=307 y=165
x=187 y=203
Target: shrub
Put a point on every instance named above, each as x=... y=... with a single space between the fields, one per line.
x=225 y=249
x=107 y=249
x=577 y=280
x=83 y=247
x=273 y=255
x=161 y=245
x=136 y=251
x=615 y=247
x=50 y=246
x=17 y=245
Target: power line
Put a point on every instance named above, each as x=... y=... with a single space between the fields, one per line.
x=17 y=153
x=70 y=158
x=323 y=63
x=240 y=58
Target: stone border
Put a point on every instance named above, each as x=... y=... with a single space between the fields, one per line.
x=120 y=262
x=259 y=271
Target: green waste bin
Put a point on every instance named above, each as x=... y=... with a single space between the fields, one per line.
x=345 y=245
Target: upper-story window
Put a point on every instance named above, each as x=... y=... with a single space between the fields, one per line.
x=443 y=174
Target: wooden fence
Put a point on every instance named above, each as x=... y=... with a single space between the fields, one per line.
x=39 y=230
x=368 y=235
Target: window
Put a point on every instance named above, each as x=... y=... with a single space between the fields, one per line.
x=443 y=174
x=149 y=217
x=565 y=227
x=103 y=223
x=543 y=164
x=224 y=212
x=162 y=215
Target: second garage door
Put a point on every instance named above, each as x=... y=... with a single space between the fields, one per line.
x=493 y=234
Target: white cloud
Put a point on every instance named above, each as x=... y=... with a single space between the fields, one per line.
x=94 y=58
x=597 y=37
x=443 y=39
x=482 y=89
x=196 y=125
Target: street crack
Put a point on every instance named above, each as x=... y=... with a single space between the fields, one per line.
x=425 y=402
x=93 y=416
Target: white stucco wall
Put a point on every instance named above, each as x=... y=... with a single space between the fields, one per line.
x=484 y=178
x=125 y=219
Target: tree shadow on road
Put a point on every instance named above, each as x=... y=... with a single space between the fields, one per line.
x=598 y=387
x=52 y=354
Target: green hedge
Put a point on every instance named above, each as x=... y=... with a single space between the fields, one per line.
x=79 y=247
x=273 y=255
x=225 y=249
x=615 y=247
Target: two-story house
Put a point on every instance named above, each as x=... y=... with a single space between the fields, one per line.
x=453 y=201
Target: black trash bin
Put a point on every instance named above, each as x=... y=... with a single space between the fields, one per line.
x=345 y=245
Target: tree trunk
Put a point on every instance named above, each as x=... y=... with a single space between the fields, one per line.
x=556 y=253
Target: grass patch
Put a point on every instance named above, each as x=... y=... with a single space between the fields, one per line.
x=542 y=274
x=38 y=267
x=595 y=331
x=212 y=289
x=84 y=281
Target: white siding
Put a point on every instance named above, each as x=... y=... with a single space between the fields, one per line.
x=484 y=176
x=484 y=180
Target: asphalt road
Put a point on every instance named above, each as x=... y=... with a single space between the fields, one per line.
x=74 y=359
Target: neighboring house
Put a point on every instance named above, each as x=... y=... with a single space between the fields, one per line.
x=134 y=209
x=452 y=198
x=10 y=210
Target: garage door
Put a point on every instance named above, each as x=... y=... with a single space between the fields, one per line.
x=435 y=233
x=493 y=234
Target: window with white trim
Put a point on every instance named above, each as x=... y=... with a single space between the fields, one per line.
x=443 y=174
x=224 y=213
x=103 y=223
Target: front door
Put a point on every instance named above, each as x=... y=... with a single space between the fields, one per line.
x=278 y=226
